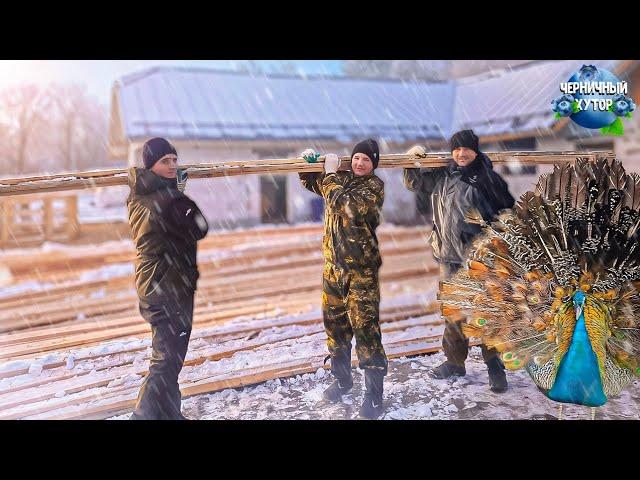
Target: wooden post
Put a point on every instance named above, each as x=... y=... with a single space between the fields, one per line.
x=47 y=216
x=2 y=221
x=7 y=213
x=73 y=225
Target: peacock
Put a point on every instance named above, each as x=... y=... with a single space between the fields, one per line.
x=553 y=284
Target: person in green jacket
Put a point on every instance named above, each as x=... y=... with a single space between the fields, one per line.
x=350 y=285
x=166 y=226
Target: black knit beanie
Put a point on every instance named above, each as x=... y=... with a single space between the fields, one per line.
x=465 y=138
x=370 y=148
x=154 y=149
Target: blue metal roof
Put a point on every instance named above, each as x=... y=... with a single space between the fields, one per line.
x=200 y=104
x=185 y=103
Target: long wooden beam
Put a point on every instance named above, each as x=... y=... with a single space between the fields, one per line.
x=104 y=178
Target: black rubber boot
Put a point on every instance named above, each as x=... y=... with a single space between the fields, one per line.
x=174 y=411
x=372 y=405
x=497 y=378
x=447 y=369
x=334 y=392
x=341 y=370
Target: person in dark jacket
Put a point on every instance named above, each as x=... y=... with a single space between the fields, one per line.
x=166 y=226
x=350 y=285
x=468 y=182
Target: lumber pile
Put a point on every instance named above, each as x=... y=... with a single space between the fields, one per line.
x=75 y=346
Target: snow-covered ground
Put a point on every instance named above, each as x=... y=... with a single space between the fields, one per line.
x=280 y=336
x=410 y=394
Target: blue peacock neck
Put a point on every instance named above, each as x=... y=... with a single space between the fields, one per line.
x=578 y=379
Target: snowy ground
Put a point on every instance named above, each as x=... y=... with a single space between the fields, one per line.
x=410 y=394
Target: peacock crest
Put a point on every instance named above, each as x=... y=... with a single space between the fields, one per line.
x=554 y=284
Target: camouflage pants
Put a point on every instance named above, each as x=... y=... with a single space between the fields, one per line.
x=454 y=343
x=351 y=306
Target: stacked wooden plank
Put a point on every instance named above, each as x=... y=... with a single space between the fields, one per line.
x=75 y=346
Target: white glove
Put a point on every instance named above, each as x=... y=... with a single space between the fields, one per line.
x=331 y=163
x=417 y=151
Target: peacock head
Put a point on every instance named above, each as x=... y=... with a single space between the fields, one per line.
x=579 y=298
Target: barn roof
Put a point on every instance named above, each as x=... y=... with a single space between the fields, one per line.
x=201 y=104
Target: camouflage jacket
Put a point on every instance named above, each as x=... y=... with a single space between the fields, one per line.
x=353 y=206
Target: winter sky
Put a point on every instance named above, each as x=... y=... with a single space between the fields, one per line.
x=99 y=75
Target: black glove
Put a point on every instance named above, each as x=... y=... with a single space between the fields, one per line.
x=185 y=216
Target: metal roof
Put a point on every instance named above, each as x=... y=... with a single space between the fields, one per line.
x=182 y=103
x=200 y=104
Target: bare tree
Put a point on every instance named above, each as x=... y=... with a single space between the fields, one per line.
x=59 y=127
x=81 y=126
x=255 y=68
x=287 y=68
x=428 y=70
x=6 y=153
x=94 y=133
x=465 y=68
x=22 y=110
x=67 y=100
x=367 y=68
x=405 y=69
x=431 y=70
x=250 y=66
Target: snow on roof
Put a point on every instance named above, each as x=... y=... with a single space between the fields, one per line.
x=201 y=104
x=183 y=103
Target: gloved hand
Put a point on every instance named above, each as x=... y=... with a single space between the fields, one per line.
x=187 y=219
x=310 y=155
x=181 y=179
x=417 y=151
x=331 y=163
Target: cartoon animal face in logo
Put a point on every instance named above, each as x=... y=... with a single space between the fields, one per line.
x=588 y=73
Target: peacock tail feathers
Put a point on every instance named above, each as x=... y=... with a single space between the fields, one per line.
x=578 y=230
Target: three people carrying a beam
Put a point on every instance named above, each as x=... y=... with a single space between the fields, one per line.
x=166 y=226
